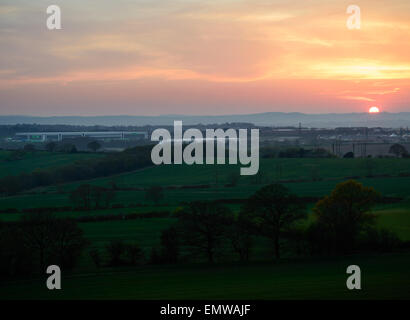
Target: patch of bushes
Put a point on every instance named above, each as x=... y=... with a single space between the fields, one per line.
x=123 y=254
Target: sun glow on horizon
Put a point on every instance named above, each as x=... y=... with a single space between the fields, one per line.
x=374 y=109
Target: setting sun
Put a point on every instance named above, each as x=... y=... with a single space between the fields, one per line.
x=374 y=110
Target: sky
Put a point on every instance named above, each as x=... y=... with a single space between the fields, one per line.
x=153 y=57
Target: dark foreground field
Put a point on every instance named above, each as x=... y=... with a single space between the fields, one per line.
x=383 y=277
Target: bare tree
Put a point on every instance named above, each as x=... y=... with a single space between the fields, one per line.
x=274 y=210
x=203 y=227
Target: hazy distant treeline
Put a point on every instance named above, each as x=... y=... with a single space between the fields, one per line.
x=329 y=120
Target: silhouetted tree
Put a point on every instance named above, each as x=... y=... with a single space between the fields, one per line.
x=52 y=240
x=95 y=256
x=29 y=147
x=274 y=210
x=203 y=227
x=115 y=251
x=86 y=194
x=68 y=148
x=380 y=240
x=120 y=253
x=94 y=146
x=155 y=257
x=240 y=235
x=81 y=196
x=15 y=257
x=169 y=245
x=102 y=197
x=398 y=150
x=51 y=146
x=133 y=254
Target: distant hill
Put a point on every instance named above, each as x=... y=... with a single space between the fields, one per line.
x=328 y=120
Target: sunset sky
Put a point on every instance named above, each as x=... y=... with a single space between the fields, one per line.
x=151 y=57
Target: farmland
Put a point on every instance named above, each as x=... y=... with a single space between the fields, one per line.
x=311 y=178
x=11 y=164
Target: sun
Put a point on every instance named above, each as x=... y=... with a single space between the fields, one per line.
x=374 y=109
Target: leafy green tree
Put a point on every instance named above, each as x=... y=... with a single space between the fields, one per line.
x=274 y=210
x=344 y=214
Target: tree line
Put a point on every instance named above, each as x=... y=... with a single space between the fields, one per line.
x=342 y=223
x=37 y=241
x=128 y=160
x=210 y=231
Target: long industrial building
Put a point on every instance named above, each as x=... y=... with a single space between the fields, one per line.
x=59 y=136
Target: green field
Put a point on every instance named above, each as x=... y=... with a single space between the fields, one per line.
x=385 y=276
x=295 y=174
x=31 y=161
x=290 y=169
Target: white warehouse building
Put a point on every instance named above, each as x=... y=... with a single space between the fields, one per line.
x=59 y=136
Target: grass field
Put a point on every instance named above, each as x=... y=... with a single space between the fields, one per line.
x=383 y=277
x=395 y=216
x=38 y=160
x=290 y=169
